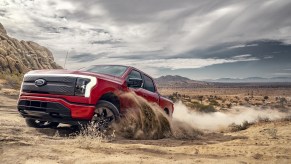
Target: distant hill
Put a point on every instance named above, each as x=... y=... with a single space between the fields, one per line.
x=253 y=80
x=179 y=82
x=176 y=81
x=18 y=57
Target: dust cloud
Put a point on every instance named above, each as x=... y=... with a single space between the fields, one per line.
x=220 y=120
x=146 y=120
x=143 y=120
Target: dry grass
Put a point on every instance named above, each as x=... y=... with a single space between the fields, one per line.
x=89 y=136
x=12 y=80
x=272 y=132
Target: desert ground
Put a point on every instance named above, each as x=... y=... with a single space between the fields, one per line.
x=223 y=98
x=263 y=142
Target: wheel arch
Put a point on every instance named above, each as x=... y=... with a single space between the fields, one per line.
x=112 y=98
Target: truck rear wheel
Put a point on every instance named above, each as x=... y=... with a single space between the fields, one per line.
x=40 y=124
x=105 y=114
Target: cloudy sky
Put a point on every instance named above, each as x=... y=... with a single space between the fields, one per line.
x=199 y=39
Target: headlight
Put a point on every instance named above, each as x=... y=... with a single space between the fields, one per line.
x=81 y=85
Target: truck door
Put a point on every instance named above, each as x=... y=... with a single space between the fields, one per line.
x=149 y=90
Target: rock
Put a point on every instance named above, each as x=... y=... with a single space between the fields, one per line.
x=2 y=29
x=18 y=57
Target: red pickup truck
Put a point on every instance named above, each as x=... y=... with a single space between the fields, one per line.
x=50 y=97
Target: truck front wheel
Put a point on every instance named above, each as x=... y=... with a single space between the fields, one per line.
x=40 y=124
x=105 y=114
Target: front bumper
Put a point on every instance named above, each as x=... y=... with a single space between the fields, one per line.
x=54 y=109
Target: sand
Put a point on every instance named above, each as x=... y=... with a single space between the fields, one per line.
x=261 y=143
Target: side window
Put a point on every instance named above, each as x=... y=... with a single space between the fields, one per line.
x=149 y=84
x=134 y=74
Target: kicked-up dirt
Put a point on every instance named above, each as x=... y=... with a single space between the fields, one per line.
x=261 y=143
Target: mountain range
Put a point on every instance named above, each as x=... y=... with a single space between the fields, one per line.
x=253 y=80
x=176 y=81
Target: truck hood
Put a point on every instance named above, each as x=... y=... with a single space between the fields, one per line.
x=72 y=72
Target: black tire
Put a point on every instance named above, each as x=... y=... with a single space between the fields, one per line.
x=40 y=124
x=105 y=114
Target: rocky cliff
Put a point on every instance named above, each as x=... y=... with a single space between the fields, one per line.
x=18 y=57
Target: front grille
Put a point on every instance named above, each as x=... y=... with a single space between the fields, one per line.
x=42 y=106
x=54 y=85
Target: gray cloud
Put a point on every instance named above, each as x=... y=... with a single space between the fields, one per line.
x=2 y=13
x=162 y=30
x=85 y=57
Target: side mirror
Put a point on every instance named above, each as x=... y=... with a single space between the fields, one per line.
x=134 y=82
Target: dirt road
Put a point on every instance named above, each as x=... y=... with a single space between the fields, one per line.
x=261 y=143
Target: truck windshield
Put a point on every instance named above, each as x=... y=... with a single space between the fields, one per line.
x=114 y=70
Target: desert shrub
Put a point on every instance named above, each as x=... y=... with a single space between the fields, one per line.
x=175 y=97
x=234 y=127
x=247 y=99
x=200 y=98
x=282 y=101
x=258 y=104
x=229 y=105
x=272 y=132
x=223 y=109
x=207 y=109
x=287 y=118
x=217 y=98
x=14 y=80
x=171 y=97
x=187 y=98
x=202 y=108
x=263 y=119
x=214 y=102
x=0 y=87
